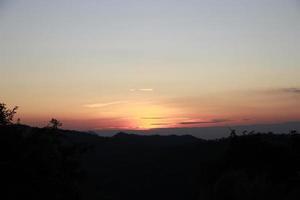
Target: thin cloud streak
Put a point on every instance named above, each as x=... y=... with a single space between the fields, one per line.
x=100 y=105
x=160 y=124
x=292 y=90
x=142 y=90
x=214 y=121
x=154 y=118
x=280 y=91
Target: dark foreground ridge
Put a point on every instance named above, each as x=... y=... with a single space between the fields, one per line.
x=57 y=164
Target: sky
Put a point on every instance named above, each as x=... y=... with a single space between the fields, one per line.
x=142 y=64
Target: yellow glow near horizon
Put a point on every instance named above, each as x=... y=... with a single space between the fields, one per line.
x=148 y=116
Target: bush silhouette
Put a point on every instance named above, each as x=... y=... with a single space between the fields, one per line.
x=6 y=115
x=54 y=124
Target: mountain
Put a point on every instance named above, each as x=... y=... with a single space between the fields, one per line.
x=154 y=139
x=210 y=132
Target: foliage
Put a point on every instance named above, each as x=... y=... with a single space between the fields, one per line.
x=54 y=124
x=6 y=115
x=35 y=164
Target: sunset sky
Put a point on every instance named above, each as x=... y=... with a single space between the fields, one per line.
x=141 y=64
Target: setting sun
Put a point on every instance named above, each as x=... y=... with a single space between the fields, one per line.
x=150 y=116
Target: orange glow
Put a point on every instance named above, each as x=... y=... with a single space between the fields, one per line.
x=136 y=111
x=147 y=116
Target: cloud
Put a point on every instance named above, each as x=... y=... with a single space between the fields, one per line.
x=281 y=91
x=100 y=105
x=292 y=90
x=146 y=90
x=160 y=124
x=213 y=121
x=154 y=118
x=142 y=90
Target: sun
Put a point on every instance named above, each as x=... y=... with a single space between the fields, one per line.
x=150 y=116
x=139 y=115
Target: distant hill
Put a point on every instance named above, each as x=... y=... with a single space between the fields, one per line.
x=210 y=132
x=155 y=139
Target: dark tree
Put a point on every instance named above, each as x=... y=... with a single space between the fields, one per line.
x=7 y=115
x=54 y=124
x=232 y=133
x=293 y=132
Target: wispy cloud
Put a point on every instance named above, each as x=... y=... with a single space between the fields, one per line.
x=142 y=90
x=160 y=124
x=280 y=91
x=213 y=121
x=154 y=118
x=100 y=105
x=291 y=90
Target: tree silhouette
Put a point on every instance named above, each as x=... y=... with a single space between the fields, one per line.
x=18 y=121
x=233 y=133
x=54 y=123
x=7 y=115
